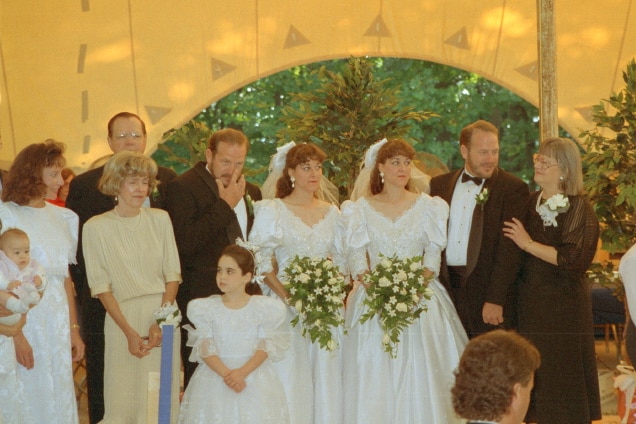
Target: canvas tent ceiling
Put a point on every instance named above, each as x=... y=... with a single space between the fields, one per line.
x=67 y=66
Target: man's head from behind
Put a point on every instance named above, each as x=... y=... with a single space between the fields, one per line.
x=126 y=131
x=495 y=377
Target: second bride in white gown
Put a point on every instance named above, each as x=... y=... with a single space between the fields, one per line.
x=298 y=223
x=414 y=387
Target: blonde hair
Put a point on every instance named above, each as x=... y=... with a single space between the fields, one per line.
x=126 y=164
x=568 y=157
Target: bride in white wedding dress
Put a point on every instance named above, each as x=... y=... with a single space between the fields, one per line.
x=414 y=387
x=298 y=222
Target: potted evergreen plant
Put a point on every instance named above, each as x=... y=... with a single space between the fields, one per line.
x=610 y=177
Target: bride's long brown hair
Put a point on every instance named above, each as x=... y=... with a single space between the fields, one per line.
x=297 y=155
x=390 y=149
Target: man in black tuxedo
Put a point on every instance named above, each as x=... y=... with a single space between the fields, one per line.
x=126 y=131
x=210 y=206
x=479 y=265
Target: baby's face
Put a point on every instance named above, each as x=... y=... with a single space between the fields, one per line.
x=18 y=250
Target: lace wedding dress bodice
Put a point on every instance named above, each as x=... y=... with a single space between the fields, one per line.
x=420 y=230
x=280 y=233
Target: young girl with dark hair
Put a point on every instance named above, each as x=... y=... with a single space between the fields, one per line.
x=236 y=337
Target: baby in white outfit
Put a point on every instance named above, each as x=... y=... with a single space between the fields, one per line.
x=21 y=280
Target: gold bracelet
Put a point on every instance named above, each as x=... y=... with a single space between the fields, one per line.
x=74 y=326
x=525 y=247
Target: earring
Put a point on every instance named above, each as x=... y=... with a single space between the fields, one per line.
x=382 y=177
x=561 y=177
x=293 y=180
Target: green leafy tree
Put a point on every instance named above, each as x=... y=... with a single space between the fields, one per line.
x=254 y=109
x=348 y=112
x=183 y=147
x=609 y=165
x=457 y=96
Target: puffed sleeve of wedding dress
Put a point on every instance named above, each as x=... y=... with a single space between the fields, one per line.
x=353 y=238
x=267 y=231
x=201 y=314
x=273 y=331
x=435 y=222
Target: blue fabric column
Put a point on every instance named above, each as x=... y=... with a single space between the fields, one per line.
x=165 y=379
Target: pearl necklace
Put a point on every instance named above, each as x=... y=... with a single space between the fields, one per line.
x=125 y=220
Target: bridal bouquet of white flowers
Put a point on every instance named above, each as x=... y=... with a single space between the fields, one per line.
x=317 y=292
x=395 y=288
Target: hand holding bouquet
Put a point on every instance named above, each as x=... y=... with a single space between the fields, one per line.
x=395 y=288
x=317 y=291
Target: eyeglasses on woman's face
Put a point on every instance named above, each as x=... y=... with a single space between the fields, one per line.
x=542 y=162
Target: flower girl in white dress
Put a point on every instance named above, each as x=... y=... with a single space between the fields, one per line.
x=237 y=335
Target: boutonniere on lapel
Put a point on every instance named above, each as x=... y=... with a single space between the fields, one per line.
x=552 y=207
x=154 y=195
x=482 y=198
x=249 y=203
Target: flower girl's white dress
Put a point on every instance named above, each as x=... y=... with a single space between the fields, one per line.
x=415 y=386
x=312 y=376
x=234 y=335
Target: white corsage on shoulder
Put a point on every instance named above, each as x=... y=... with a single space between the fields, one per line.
x=551 y=208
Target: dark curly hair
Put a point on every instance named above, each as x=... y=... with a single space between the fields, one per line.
x=245 y=260
x=390 y=149
x=488 y=370
x=297 y=155
x=24 y=181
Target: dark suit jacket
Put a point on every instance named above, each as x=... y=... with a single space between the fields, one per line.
x=87 y=201
x=493 y=262
x=203 y=225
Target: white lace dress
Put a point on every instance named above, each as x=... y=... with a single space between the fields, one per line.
x=49 y=391
x=312 y=377
x=415 y=386
x=12 y=409
x=234 y=335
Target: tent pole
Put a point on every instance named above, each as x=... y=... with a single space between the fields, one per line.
x=548 y=100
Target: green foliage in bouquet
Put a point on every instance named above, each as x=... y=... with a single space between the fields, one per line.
x=395 y=288
x=317 y=292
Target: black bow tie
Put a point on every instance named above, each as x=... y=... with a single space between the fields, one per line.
x=476 y=180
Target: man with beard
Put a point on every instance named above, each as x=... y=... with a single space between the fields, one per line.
x=479 y=265
x=210 y=206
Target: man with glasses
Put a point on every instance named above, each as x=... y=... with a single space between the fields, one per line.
x=126 y=131
x=479 y=265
